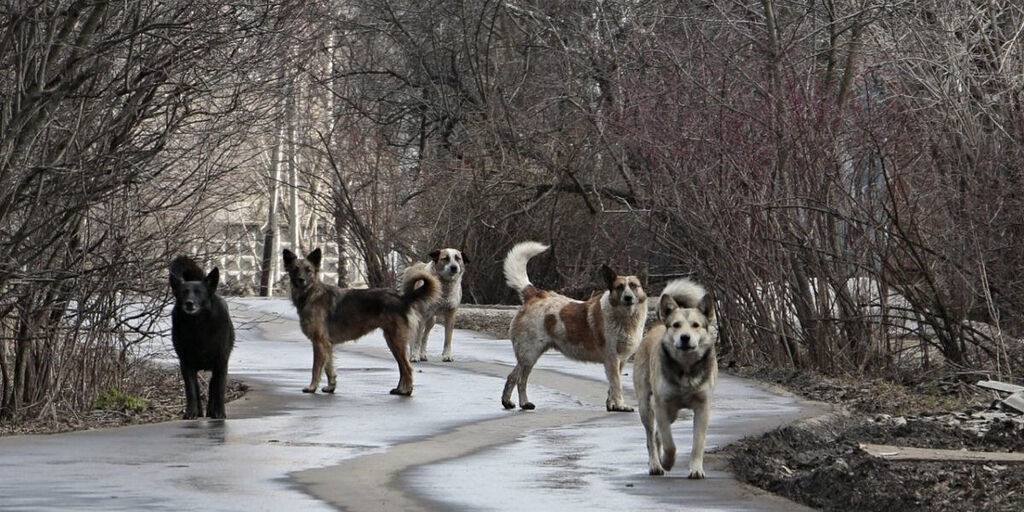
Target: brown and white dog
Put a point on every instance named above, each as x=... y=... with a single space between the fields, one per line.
x=605 y=329
x=676 y=368
x=448 y=265
x=330 y=315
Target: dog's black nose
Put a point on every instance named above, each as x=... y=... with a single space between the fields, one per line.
x=189 y=304
x=685 y=338
x=627 y=300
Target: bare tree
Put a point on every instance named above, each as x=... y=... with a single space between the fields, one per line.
x=121 y=127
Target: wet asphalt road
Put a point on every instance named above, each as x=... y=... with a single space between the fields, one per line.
x=450 y=446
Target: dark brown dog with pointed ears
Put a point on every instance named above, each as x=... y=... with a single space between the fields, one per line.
x=605 y=329
x=330 y=315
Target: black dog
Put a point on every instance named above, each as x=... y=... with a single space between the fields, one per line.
x=202 y=333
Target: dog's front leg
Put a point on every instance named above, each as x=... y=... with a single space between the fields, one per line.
x=419 y=346
x=615 y=402
x=319 y=357
x=449 y=330
x=192 y=405
x=653 y=448
x=701 y=416
x=218 y=388
x=663 y=422
x=332 y=376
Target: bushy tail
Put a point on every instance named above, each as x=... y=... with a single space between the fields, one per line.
x=428 y=292
x=409 y=271
x=685 y=292
x=186 y=269
x=515 y=264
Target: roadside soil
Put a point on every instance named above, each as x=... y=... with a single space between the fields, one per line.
x=162 y=399
x=819 y=462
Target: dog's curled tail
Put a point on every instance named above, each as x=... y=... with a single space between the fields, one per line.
x=515 y=264
x=426 y=293
x=685 y=292
x=185 y=269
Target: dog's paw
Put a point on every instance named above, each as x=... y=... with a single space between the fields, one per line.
x=217 y=415
x=448 y=359
x=423 y=358
x=668 y=458
x=656 y=472
x=328 y=389
x=614 y=407
x=508 y=404
x=309 y=389
x=696 y=474
x=401 y=392
x=528 y=406
x=189 y=415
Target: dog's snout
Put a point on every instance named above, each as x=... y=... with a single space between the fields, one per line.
x=684 y=342
x=454 y=269
x=189 y=304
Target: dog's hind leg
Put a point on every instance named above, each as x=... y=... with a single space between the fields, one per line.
x=218 y=385
x=524 y=374
x=701 y=414
x=193 y=408
x=332 y=376
x=449 y=331
x=527 y=355
x=510 y=384
x=399 y=346
x=319 y=358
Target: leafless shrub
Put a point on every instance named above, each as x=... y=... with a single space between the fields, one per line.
x=119 y=125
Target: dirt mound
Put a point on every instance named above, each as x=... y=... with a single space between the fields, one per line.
x=154 y=394
x=822 y=465
x=493 y=321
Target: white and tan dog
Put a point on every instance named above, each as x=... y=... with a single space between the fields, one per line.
x=676 y=368
x=448 y=265
x=605 y=329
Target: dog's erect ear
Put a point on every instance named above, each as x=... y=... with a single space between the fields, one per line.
x=434 y=255
x=608 y=275
x=315 y=257
x=176 y=281
x=707 y=306
x=667 y=306
x=289 y=259
x=465 y=259
x=212 y=280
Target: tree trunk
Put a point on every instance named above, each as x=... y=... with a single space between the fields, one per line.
x=270 y=235
x=332 y=124
x=293 y=171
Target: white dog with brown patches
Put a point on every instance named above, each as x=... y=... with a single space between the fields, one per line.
x=605 y=329
x=448 y=265
x=676 y=368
